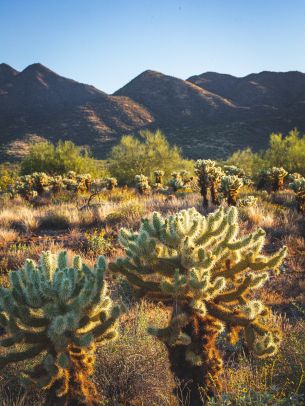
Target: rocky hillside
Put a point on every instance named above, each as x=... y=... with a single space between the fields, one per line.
x=38 y=102
x=210 y=114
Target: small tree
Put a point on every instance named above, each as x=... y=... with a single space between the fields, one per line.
x=152 y=150
x=61 y=311
x=206 y=273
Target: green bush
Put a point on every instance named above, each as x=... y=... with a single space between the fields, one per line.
x=133 y=156
x=61 y=158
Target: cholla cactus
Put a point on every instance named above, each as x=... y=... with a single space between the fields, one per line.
x=230 y=186
x=294 y=176
x=298 y=186
x=277 y=176
x=61 y=311
x=176 y=182
x=247 y=201
x=57 y=184
x=158 y=178
x=272 y=178
x=142 y=185
x=234 y=170
x=41 y=182
x=111 y=183
x=201 y=266
x=209 y=178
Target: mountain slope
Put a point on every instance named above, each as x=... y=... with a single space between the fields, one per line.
x=175 y=101
x=208 y=115
x=39 y=102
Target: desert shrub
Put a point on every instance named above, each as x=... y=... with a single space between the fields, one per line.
x=127 y=212
x=288 y=152
x=98 y=243
x=133 y=156
x=134 y=370
x=59 y=159
x=247 y=160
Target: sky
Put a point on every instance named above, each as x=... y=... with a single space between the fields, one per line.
x=107 y=43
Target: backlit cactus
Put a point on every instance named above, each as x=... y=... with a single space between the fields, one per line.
x=202 y=269
x=272 y=179
x=176 y=182
x=234 y=170
x=57 y=312
x=142 y=185
x=298 y=186
x=158 y=178
x=209 y=178
x=247 y=201
x=111 y=183
x=230 y=186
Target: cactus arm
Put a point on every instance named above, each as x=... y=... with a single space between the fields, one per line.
x=21 y=356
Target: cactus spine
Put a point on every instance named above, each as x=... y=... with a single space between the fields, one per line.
x=60 y=311
x=206 y=272
x=209 y=178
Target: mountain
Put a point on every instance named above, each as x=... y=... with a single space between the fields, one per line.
x=268 y=89
x=208 y=115
x=39 y=103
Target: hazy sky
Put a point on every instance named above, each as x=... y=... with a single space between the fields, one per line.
x=108 y=42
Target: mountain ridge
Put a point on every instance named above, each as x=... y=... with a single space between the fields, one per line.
x=210 y=114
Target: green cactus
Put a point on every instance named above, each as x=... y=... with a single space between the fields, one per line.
x=272 y=179
x=59 y=311
x=158 y=178
x=298 y=186
x=111 y=183
x=230 y=186
x=201 y=268
x=209 y=178
x=234 y=170
x=176 y=182
x=142 y=185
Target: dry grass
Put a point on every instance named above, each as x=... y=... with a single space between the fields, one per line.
x=135 y=370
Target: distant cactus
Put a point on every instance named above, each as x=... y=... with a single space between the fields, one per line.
x=207 y=273
x=159 y=178
x=234 y=170
x=61 y=311
x=247 y=201
x=111 y=183
x=230 y=186
x=209 y=178
x=176 y=182
x=142 y=185
x=298 y=186
x=272 y=179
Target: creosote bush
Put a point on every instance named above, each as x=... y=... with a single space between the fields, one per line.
x=202 y=269
x=60 y=311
